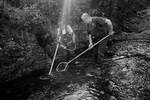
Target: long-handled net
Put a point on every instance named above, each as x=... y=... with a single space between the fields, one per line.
x=45 y=77
x=63 y=65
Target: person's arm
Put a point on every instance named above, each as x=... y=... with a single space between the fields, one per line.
x=90 y=41
x=89 y=36
x=69 y=29
x=71 y=32
x=73 y=37
x=59 y=38
x=110 y=26
x=58 y=35
x=102 y=21
x=58 y=31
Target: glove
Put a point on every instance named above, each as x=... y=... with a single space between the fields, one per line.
x=63 y=46
x=111 y=33
x=90 y=46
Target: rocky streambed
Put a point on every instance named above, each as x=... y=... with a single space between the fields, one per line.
x=125 y=74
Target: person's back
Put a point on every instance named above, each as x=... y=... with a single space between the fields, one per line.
x=98 y=28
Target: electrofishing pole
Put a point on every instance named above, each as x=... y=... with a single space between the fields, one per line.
x=65 y=64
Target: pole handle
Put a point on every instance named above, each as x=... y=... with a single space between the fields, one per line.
x=79 y=54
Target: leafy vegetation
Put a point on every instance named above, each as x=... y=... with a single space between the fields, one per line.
x=25 y=23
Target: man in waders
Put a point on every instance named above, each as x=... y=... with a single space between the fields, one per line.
x=67 y=36
x=98 y=28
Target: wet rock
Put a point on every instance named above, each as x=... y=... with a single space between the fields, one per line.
x=112 y=98
x=125 y=76
x=129 y=68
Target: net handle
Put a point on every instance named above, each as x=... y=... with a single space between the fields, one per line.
x=79 y=55
x=54 y=57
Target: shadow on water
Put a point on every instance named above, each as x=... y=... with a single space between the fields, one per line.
x=27 y=86
x=22 y=87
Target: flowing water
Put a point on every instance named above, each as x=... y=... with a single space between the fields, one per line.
x=125 y=76
x=73 y=84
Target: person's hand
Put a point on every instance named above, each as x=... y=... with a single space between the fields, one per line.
x=90 y=46
x=63 y=46
x=111 y=33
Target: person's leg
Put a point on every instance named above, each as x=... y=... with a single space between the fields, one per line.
x=101 y=51
x=95 y=53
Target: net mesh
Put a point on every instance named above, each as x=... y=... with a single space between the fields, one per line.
x=62 y=66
